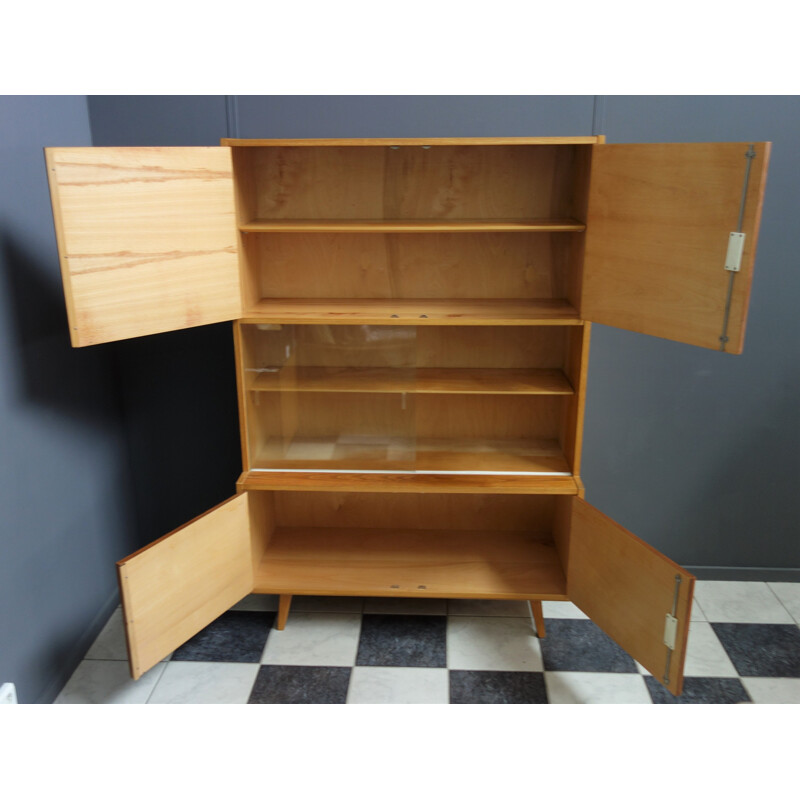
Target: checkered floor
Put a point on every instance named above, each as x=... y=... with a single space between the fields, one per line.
x=744 y=646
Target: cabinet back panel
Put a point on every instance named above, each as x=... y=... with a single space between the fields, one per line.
x=411 y=265
x=415 y=511
x=330 y=414
x=499 y=347
x=429 y=416
x=470 y=417
x=401 y=346
x=442 y=182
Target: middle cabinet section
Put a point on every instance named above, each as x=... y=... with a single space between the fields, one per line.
x=432 y=399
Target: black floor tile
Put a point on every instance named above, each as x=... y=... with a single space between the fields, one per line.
x=761 y=651
x=578 y=645
x=483 y=686
x=402 y=640
x=699 y=690
x=300 y=685
x=237 y=636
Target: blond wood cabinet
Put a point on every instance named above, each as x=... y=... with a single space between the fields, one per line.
x=411 y=329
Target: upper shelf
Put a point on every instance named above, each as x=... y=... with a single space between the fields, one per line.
x=414 y=380
x=394 y=311
x=412 y=226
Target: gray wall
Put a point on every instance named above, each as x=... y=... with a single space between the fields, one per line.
x=64 y=506
x=698 y=452
x=693 y=450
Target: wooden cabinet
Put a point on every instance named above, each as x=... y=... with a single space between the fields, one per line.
x=411 y=331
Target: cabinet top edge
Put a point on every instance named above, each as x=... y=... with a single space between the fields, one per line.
x=513 y=140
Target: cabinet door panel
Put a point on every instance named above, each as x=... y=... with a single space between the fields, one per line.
x=176 y=586
x=147 y=238
x=627 y=588
x=657 y=234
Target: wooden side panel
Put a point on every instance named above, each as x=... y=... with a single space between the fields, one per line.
x=176 y=586
x=576 y=368
x=262 y=525
x=147 y=239
x=627 y=588
x=657 y=234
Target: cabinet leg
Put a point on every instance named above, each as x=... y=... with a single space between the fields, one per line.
x=284 y=601
x=538 y=617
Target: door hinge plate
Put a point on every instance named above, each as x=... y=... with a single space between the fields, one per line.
x=733 y=259
x=670 y=631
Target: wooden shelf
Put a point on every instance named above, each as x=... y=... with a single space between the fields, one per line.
x=411 y=563
x=412 y=226
x=413 y=312
x=526 y=456
x=408 y=482
x=420 y=380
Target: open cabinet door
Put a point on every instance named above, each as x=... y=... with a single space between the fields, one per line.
x=658 y=238
x=147 y=238
x=176 y=586
x=638 y=596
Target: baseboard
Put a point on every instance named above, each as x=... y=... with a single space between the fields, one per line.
x=777 y=574
x=79 y=650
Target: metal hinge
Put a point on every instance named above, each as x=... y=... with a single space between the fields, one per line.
x=670 y=631
x=733 y=259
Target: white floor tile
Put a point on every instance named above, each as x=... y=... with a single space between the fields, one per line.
x=697 y=613
x=257 y=602
x=335 y=605
x=556 y=609
x=789 y=595
x=705 y=655
x=740 y=601
x=108 y=682
x=595 y=687
x=315 y=640
x=773 y=690
x=203 y=682
x=404 y=605
x=398 y=685
x=110 y=642
x=497 y=643
x=488 y=608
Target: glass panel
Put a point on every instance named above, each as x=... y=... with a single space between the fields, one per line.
x=491 y=399
x=434 y=399
x=330 y=397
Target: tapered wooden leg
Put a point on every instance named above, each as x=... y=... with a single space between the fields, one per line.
x=538 y=617
x=284 y=602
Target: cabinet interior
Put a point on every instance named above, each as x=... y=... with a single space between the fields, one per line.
x=447 y=399
x=380 y=233
x=408 y=544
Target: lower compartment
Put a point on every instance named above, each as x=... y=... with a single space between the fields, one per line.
x=409 y=563
x=410 y=545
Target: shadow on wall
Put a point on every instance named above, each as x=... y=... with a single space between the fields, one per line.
x=78 y=385
x=169 y=397
x=181 y=419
